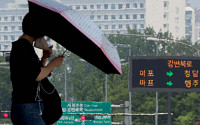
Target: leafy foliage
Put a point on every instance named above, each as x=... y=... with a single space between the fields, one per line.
x=86 y=83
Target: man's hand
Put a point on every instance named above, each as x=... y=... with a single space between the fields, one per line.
x=47 y=53
x=57 y=61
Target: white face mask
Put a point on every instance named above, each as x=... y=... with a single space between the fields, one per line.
x=41 y=43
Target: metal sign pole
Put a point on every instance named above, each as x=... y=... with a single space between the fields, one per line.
x=169 y=109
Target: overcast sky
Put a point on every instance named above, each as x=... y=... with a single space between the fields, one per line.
x=194 y=3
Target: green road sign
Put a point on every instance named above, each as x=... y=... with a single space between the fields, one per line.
x=85 y=107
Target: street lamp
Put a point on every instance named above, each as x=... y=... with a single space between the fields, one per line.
x=153 y=38
x=169 y=93
x=129 y=47
x=65 y=70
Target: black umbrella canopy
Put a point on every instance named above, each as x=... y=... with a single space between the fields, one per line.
x=77 y=33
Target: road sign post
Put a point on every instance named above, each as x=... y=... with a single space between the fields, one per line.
x=85 y=107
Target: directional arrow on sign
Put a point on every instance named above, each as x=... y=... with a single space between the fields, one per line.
x=169 y=83
x=170 y=73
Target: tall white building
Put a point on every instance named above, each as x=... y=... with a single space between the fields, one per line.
x=190 y=24
x=116 y=15
x=166 y=15
x=197 y=26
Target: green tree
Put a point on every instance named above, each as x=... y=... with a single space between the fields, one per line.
x=5 y=89
x=87 y=83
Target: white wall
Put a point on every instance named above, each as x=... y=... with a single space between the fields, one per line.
x=175 y=16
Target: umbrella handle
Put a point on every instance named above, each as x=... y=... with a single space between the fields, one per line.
x=64 y=52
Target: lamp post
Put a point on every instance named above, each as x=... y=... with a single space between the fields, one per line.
x=65 y=79
x=157 y=106
x=169 y=93
x=153 y=38
x=130 y=108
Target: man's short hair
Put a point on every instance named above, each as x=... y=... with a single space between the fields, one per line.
x=32 y=26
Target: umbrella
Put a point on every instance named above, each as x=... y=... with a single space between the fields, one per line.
x=77 y=33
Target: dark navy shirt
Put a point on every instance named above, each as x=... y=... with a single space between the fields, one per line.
x=25 y=66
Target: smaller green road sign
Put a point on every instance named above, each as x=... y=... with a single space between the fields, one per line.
x=85 y=107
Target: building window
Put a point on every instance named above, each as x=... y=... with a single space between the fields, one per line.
x=0 y=47
x=177 y=19
x=177 y=29
x=199 y=35
x=98 y=6
x=85 y=7
x=127 y=16
x=165 y=16
x=113 y=26
x=99 y=26
x=20 y=18
x=106 y=27
x=105 y=17
x=5 y=47
x=166 y=4
x=5 y=38
x=177 y=10
x=141 y=16
x=92 y=17
x=12 y=18
x=113 y=17
x=135 y=26
x=5 y=28
x=13 y=37
x=112 y=6
x=128 y=5
x=188 y=12
x=141 y=5
x=188 y=37
x=120 y=16
x=142 y=26
x=127 y=26
x=120 y=6
x=12 y=28
x=5 y=18
x=91 y=6
x=134 y=16
x=165 y=26
x=134 y=5
x=78 y=7
x=105 y=6
x=98 y=17
x=120 y=26
x=188 y=21
x=20 y=28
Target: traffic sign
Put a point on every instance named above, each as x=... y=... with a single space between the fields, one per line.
x=164 y=74
x=85 y=107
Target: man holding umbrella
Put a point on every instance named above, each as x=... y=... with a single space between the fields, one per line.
x=26 y=73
